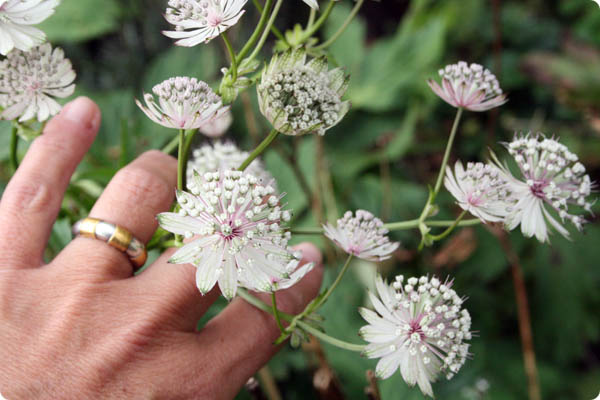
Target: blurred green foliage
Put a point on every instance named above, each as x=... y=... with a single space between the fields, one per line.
x=546 y=54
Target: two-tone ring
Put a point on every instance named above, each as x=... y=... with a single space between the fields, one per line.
x=115 y=236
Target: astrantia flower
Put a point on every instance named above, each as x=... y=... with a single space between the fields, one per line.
x=183 y=103
x=362 y=235
x=225 y=156
x=16 y=18
x=299 y=97
x=28 y=81
x=419 y=328
x=469 y=86
x=200 y=21
x=551 y=179
x=240 y=234
x=481 y=189
x=218 y=126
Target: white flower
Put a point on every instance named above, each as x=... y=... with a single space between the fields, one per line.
x=551 y=177
x=218 y=126
x=299 y=97
x=481 y=189
x=469 y=86
x=183 y=103
x=16 y=18
x=28 y=81
x=419 y=328
x=312 y=4
x=225 y=156
x=200 y=21
x=362 y=235
x=240 y=237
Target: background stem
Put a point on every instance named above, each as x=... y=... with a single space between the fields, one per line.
x=14 y=147
x=442 y=172
x=259 y=149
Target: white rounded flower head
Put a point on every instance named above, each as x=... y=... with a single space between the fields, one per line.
x=218 y=126
x=29 y=81
x=468 y=86
x=183 y=103
x=239 y=236
x=200 y=21
x=551 y=177
x=419 y=327
x=481 y=189
x=299 y=97
x=363 y=236
x=225 y=156
x=16 y=20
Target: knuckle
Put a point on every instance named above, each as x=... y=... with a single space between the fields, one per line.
x=30 y=195
x=138 y=183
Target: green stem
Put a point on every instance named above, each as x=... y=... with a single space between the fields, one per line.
x=259 y=149
x=181 y=161
x=311 y=18
x=398 y=226
x=315 y=332
x=276 y=313
x=450 y=228
x=14 y=146
x=331 y=340
x=442 y=173
x=333 y=285
x=264 y=15
x=274 y=29
x=315 y=27
x=265 y=33
x=232 y=56
x=189 y=138
x=342 y=28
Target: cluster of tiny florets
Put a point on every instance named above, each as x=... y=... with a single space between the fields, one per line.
x=480 y=189
x=553 y=174
x=225 y=156
x=419 y=327
x=362 y=235
x=183 y=103
x=474 y=74
x=242 y=233
x=199 y=21
x=305 y=97
x=28 y=79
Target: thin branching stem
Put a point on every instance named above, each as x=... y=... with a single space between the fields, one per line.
x=343 y=27
x=264 y=15
x=259 y=149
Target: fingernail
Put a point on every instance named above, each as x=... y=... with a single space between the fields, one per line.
x=82 y=111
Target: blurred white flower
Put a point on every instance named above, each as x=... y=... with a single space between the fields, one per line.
x=299 y=97
x=468 y=86
x=551 y=177
x=16 y=18
x=314 y=5
x=218 y=126
x=225 y=156
x=481 y=189
x=200 y=21
x=183 y=103
x=362 y=235
x=240 y=239
x=28 y=81
x=419 y=328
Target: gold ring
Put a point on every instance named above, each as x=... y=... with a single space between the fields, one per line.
x=116 y=236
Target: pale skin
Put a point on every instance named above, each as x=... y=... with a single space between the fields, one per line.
x=82 y=326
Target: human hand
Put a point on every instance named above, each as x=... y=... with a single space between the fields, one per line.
x=83 y=326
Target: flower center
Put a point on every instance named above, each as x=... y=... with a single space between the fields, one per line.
x=214 y=19
x=537 y=188
x=415 y=332
x=228 y=231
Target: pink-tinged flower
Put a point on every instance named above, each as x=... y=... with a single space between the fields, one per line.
x=468 y=86
x=218 y=126
x=30 y=80
x=551 y=178
x=16 y=20
x=183 y=103
x=238 y=232
x=418 y=327
x=481 y=189
x=226 y=156
x=362 y=235
x=200 y=21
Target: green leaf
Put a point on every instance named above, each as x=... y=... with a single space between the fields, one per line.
x=79 y=20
